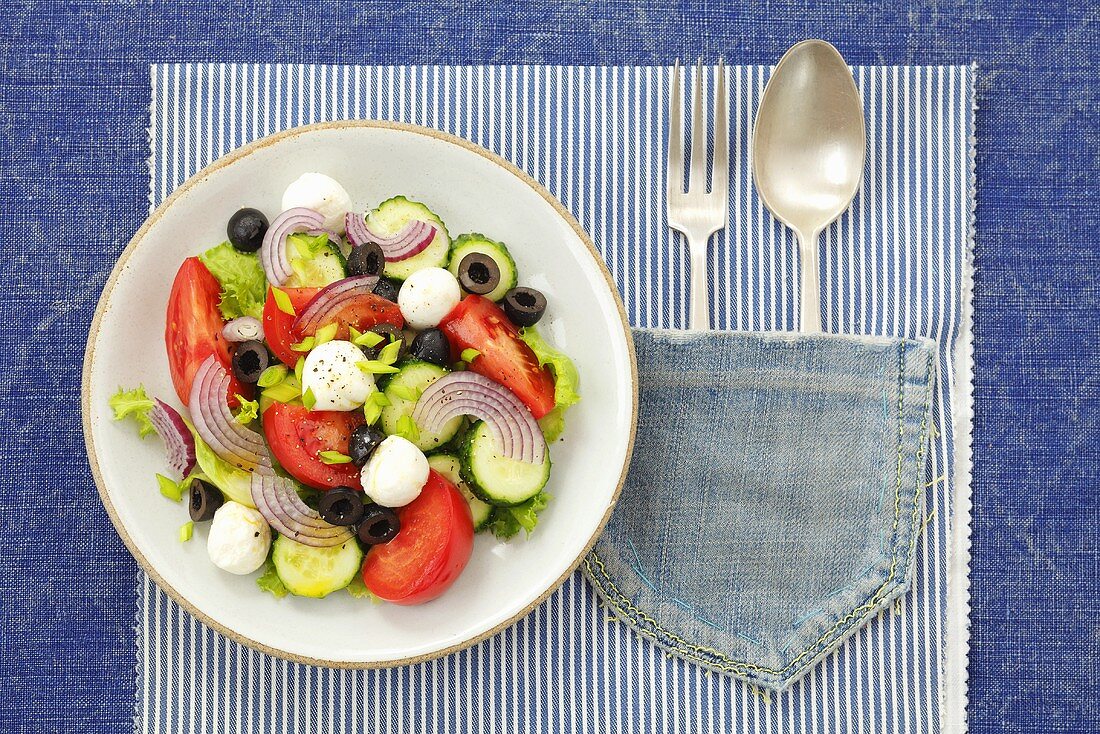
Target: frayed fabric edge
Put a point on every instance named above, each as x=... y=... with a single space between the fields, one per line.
x=956 y=650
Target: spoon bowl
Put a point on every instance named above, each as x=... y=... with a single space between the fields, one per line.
x=809 y=147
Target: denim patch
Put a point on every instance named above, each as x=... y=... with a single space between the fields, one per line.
x=772 y=502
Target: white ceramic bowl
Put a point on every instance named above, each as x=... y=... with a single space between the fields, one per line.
x=472 y=190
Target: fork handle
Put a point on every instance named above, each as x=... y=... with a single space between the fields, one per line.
x=699 y=313
x=810 y=298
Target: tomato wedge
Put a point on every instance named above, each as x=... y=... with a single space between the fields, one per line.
x=193 y=329
x=362 y=312
x=430 y=551
x=298 y=435
x=478 y=323
x=277 y=324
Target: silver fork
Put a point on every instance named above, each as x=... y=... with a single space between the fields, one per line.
x=697 y=213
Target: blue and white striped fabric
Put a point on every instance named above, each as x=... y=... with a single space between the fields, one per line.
x=898 y=263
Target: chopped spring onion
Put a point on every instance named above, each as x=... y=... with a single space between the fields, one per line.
x=326 y=334
x=305 y=345
x=389 y=353
x=376 y=367
x=372 y=408
x=406 y=428
x=334 y=457
x=170 y=488
x=405 y=393
x=282 y=300
x=272 y=376
x=370 y=339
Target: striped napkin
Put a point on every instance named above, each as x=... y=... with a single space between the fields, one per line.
x=898 y=263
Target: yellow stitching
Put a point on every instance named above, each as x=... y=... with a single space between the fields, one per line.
x=616 y=600
x=901 y=433
x=920 y=459
x=924 y=523
x=734 y=666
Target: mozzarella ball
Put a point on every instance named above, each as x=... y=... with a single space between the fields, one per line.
x=332 y=373
x=427 y=296
x=239 y=539
x=322 y=194
x=395 y=472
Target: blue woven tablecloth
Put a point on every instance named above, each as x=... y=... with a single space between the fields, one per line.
x=73 y=188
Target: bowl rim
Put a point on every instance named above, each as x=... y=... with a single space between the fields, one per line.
x=195 y=180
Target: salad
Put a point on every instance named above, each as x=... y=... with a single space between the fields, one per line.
x=363 y=394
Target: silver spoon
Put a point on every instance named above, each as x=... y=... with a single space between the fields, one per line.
x=808 y=149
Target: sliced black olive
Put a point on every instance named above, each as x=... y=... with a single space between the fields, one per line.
x=203 y=501
x=387 y=289
x=431 y=345
x=379 y=525
x=249 y=361
x=389 y=332
x=524 y=306
x=341 y=506
x=362 y=443
x=246 y=229
x=478 y=273
x=366 y=260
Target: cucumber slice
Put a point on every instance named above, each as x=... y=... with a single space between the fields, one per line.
x=496 y=479
x=450 y=467
x=479 y=243
x=412 y=379
x=315 y=572
x=391 y=216
x=315 y=260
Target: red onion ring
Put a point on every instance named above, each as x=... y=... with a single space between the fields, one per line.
x=355 y=227
x=243 y=329
x=468 y=393
x=270 y=500
x=273 y=255
x=413 y=238
x=330 y=299
x=509 y=435
x=215 y=424
x=279 y=503
x=283 y=511
x=179 y=444
x=333 y=236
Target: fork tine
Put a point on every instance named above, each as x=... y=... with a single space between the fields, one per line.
x=675 y=169
x=721 y=172
x=698 y=180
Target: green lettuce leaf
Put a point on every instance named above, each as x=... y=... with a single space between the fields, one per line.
x=359 y=590
x=506 y=522
x=270 y=582
x=133 y=404
x=566 y=380
x=242 y=280
x=235 y=483
x=552 y=424
x=307 y=246
x=250 y=410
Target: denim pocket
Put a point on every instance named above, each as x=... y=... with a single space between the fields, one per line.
x=772 y=502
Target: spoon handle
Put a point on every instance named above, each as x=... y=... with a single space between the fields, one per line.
x=810 y=300
x=699 y=313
